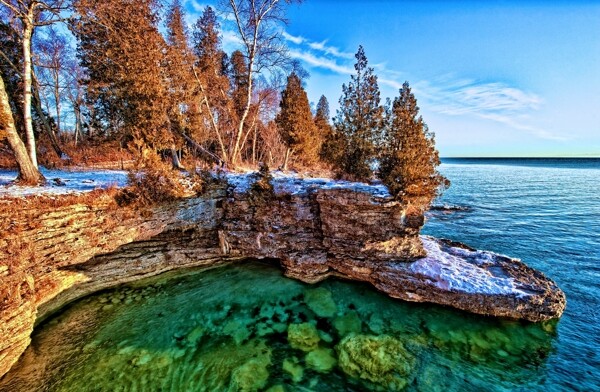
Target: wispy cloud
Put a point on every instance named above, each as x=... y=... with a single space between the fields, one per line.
x=320 y=61
x=493 y=101
x=320 y=47
x=317 y=54
x=293 y=38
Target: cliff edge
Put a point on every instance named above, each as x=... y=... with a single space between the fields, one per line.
x=52 y=253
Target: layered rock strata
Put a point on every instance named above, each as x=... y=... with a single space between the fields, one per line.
x=315 y=228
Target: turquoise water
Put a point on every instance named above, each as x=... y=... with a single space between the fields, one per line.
x=246 y=327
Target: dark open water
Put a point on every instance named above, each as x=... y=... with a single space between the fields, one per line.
x=245 y=327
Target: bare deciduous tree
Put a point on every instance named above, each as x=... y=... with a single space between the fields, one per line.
x=258 y=25
x=32 y=14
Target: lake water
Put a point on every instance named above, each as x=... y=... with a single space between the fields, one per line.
x=246 y=327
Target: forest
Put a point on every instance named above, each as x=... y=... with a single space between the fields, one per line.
x=89 y=82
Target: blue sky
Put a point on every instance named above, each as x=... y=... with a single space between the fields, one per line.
x=494 y=78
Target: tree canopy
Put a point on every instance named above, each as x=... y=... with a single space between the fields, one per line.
x=359 y=121
x=409 y=159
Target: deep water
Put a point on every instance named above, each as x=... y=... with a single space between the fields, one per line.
x=246 y=327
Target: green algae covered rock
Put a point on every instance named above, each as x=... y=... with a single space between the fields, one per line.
x=381 y=360
x=292 y=367
x=303 y=336
x=348 y=323
x=251 y=376
x=319 y=300
x=238 y=330
x=322 y=360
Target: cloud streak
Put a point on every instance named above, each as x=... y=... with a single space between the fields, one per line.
x=492 y=101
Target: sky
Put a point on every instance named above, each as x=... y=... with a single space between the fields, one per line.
x=492 y=78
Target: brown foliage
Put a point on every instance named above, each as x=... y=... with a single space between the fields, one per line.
x=153 y=182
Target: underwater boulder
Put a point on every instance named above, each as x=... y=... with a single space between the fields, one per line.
x=303 y=336
x=251 y=376
x=381 y=360
x=319 y=300
x=348 y=323
x=295 y=370
x=322 y=360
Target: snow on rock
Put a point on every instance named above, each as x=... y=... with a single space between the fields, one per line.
x=295 y=184
x=81 y=180
x=62 y=182
x=459 y=269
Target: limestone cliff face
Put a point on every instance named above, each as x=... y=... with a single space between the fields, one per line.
x=50 y=256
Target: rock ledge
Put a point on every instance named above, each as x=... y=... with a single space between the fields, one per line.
x=316 y=228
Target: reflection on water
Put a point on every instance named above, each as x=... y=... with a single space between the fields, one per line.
x=246 y=327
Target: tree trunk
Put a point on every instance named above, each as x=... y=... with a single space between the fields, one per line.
x=175 y=159
x=28 y=173
x=27 y=33
x=78 y=127
x=254 y=146
x=57 y=99
x=288 y=152
x=37 y=103
x=237 y=148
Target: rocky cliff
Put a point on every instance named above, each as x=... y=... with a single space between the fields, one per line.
x=51 y=254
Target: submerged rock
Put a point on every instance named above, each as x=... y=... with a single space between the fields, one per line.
x=319 y=300
x=303 y=336
x=251 y=376
x=322 y=360
x=348 y=323
x=292 y=367
x=381 y=360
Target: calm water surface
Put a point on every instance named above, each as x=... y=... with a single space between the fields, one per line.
x=245 y=327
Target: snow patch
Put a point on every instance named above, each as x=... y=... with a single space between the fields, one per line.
x=453 y=268
x=62 y=182
x=294 y=184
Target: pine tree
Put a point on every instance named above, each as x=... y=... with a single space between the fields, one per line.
x=359 y=121
x=409 y=160
x=296 y=123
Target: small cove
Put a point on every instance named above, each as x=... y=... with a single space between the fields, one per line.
x=229 y=329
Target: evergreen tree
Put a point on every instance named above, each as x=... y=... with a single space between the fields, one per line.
x=213 y=83
x=328 y=151
x=238 y=77
x=121 y=51
x=359 y=120
x=178 y=67
x=409 y=160
x=322 y=114
x=296 y=123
